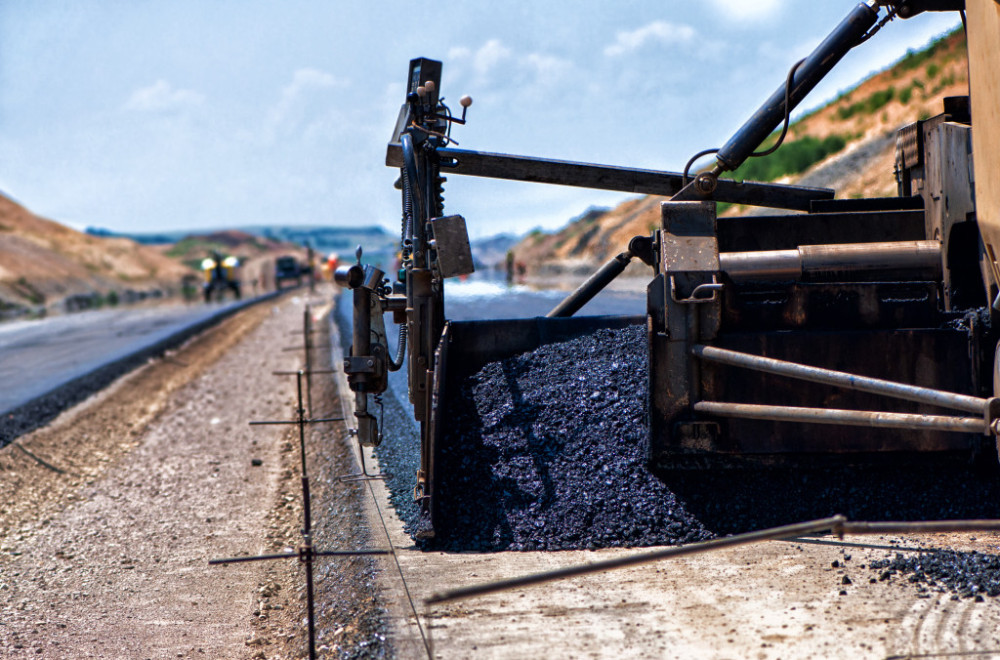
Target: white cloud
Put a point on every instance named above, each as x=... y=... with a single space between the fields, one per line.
x=744 y=10
x=304 y=82
x=492 y=53
x=657 y=32
x=161 y=96
x=478 y=66
x=546 y=66
x=459 y=53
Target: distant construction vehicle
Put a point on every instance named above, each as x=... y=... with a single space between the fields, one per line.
x=221 y=274
x=286 y=269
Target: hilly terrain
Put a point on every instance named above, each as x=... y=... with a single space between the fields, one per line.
x=256 y=254
x=46 y=266
x=848 y=145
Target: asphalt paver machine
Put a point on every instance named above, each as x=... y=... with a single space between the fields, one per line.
x=825 y=330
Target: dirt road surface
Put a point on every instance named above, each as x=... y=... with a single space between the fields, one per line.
x=109 y=515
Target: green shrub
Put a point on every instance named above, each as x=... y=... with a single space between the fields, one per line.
x=791 y=158
x=868 y=105
x=879 y=98
x=905 y=94
x=932 y=70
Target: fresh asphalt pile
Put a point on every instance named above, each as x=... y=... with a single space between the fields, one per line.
x=965 y=574
x=546 y=450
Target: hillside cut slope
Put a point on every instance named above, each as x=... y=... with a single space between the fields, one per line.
x=43 y=264
x=847 y=145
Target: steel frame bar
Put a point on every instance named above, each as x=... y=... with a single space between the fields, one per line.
x=888 y=388
x=883 y=420
x=606 y=177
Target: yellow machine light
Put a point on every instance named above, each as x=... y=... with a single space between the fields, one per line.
x=230 y=262
x=207 y=264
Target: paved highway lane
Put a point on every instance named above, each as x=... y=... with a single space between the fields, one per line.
x=38 y=356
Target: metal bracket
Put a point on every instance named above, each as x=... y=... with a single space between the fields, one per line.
x=362 y=364
x=698 y=293
x=992 y=414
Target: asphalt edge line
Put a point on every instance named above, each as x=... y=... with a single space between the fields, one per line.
x=46 y=407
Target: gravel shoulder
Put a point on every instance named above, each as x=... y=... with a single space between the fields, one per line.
x=109 y=514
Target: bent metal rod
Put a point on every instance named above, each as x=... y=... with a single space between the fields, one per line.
x=838 y=525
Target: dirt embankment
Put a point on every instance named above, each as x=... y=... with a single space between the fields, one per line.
x=46 y=265
x=864 y=120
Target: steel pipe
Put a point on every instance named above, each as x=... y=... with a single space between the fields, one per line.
x=838 y=258
x=838 y=525
x=594 y=285
x=883 y=420
x=888 y=388
x=783 y=532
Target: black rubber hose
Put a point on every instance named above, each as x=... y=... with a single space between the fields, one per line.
x=396 y=363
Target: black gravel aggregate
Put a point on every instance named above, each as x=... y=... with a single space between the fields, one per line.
x=965 y=574
x=546 y=451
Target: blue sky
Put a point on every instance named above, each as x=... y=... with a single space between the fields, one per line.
x=151 y=115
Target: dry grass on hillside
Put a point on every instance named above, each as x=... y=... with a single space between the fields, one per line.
x=42 y=262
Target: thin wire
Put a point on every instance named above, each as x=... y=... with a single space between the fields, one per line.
x=399 y=569
x=685 y=178
x=448 y=140
x=788 y=112
x=871 y=33
x=392 y=551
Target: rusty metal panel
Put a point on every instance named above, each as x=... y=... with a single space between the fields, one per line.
x=829 y=306
x=909 y=146
x=451 y=242
x=984 y=86
x=688 y=242
x=947 y=188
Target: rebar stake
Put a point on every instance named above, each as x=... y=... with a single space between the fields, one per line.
x=306 y=553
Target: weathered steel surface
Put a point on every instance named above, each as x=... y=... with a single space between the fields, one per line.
x=810 y=261
x=835 y=417
x=984 y=53
x=785 y=232
x=607 y=177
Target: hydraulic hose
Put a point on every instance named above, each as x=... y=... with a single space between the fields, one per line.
x=396 y=363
